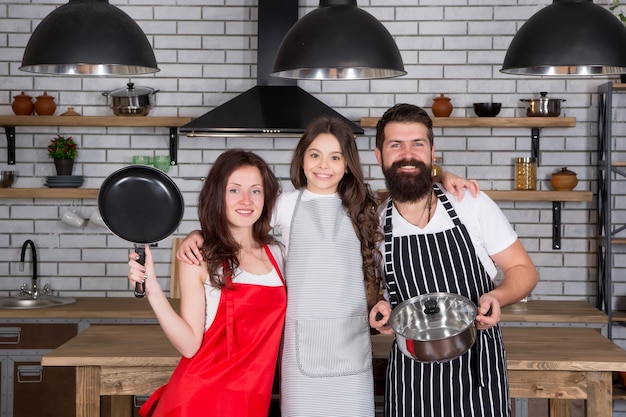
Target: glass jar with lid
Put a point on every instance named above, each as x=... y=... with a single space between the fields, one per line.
x=526 y=173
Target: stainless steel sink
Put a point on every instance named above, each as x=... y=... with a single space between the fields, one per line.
x=40 y=302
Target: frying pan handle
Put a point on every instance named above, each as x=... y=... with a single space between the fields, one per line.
x=139 y=289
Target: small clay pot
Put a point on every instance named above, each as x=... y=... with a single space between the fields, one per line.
x=45 y=105
x=23 y=105
x=442 y=107
x=70 y=112
x=564 y=180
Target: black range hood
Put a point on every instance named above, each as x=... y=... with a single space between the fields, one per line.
x=275 y=106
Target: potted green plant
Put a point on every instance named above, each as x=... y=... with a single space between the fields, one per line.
x=63 y=150
x=615 y=7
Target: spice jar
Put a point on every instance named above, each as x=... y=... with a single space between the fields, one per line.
x=526 y=174
x=436 y=166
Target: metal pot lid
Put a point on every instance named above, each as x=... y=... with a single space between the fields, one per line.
x=543 y=98
x=432 y=311
x=131 y=91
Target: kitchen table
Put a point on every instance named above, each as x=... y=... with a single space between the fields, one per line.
x=543 y=362
x=126 y=360
x=562 y=363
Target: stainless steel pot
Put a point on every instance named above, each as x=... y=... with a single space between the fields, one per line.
x=543 y=106
x=131 y=101
x=435 y=326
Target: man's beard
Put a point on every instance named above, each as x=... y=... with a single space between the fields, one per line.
x=408 y=187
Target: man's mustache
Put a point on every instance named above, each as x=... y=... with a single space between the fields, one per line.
x=408 y=163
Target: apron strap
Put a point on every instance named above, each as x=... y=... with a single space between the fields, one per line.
x=228 y=290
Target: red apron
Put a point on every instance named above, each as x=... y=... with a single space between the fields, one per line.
x=233 y=371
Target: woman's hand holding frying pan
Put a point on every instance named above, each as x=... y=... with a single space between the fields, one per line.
x=143 y=274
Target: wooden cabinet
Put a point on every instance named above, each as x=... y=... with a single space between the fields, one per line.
x=26 y=388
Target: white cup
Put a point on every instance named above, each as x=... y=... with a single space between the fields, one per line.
x=71 y=218
x=96 y=219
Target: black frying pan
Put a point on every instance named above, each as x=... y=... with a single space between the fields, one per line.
x=140 y=204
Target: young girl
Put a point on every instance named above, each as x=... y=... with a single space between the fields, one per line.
x=232 y=304
x=329 y=225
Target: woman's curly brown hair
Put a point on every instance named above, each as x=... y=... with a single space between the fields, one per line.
x=220 y=247
x=356 y=195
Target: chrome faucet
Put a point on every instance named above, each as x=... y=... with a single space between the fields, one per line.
x=33 y=292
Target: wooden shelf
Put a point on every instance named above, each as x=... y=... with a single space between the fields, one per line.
x=172 y=123
x=619 y=87
x=49 y=193
x=108 y=121
x=490 y=121
x=516 y=195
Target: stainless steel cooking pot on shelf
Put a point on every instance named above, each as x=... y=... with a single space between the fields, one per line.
x=131 y=101
x=543 y=106
x=434 y=326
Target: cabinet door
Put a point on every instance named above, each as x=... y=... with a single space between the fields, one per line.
x=43 y=392
x=35 y=335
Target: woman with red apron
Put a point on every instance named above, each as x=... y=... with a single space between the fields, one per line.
x=228 y=376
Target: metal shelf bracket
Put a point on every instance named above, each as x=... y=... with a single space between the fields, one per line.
x=173 y=146
x=10 y=133
x=556 y=225
x=534 y=143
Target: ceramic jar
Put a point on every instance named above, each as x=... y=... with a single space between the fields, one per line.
x=45 y=105
x=564 y=180
x=442 y=107
x=23 y=105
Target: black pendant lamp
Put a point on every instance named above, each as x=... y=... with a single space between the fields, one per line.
x=568 y=38
x=88 y=37
x=338 y=41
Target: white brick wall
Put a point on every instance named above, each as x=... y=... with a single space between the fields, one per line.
x=206 y=52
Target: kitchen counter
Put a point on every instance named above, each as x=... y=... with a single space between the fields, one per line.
x=91 y=308
x=543 y=362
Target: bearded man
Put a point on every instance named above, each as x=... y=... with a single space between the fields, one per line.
x=436 y=243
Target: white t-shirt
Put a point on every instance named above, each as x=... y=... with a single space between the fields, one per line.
x=489 y=230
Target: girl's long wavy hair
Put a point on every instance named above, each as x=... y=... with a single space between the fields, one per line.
x=220 y=247
x=356 y=195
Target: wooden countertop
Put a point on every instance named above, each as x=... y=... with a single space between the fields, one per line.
x=113 y=345
x=538 y=311
x=530 y=348
x=543 y=311
x=90 y=308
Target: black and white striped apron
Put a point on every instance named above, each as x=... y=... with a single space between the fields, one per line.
x=474 y=384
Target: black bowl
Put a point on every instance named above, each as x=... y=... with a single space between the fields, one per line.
x=487 y=109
